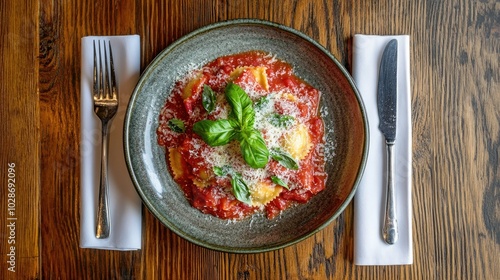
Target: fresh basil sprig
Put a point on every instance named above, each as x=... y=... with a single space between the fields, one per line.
x=279 y=182
x=284 y=158
x=239 y=126
x=176 y=125
x=208 y=99
x=240 y=188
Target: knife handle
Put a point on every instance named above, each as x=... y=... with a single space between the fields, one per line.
x=390 y=227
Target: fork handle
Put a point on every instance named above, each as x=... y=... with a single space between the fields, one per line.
x=103 y=228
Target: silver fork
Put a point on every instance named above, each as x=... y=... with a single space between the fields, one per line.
x=105 y=106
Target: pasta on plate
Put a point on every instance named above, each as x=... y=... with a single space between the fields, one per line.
x=243 y=135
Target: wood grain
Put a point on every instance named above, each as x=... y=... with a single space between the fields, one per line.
x=19 y=141
x=455 y=55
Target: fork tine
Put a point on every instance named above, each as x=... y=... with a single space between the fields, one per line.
x=95 y=88
x=113 y=78
x=104 y=80
x=101 y=74
x=107 y=90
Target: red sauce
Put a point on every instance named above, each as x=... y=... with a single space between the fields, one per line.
x=190 y=163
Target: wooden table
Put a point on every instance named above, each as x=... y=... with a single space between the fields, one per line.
x=455 y=55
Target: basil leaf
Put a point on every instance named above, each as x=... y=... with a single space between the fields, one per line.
x=223 y=171
x=176 y=125
x=279 y=120
x=262 y=102
x=253 y=148
x=208 y=99
x=240 y=189
x=284 y=159
x=241 y=105
x=279 y=182
x=215 y=133
x=218 y=171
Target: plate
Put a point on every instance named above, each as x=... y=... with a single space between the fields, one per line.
x=341 y=108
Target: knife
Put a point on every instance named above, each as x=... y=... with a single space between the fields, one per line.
x=387 y=110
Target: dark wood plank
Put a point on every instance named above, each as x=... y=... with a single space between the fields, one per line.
x=19 y=141
x=453 y=168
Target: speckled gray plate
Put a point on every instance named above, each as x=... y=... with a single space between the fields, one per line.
x=341 y=108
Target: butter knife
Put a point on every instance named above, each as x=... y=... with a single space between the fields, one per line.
x=387 y=110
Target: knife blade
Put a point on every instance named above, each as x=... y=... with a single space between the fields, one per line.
x=387 y=110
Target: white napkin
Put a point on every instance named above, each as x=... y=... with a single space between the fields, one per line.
x=369 y=201
x=124 y=203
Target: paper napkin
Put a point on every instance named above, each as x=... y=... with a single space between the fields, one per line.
x=369 y=201
x=124 y=203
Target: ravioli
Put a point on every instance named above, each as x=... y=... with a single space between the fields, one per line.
x=297 y=142
x=259 y=74
x=203 y=178
x=177 y=163
x=193 y=86
x=264 y=192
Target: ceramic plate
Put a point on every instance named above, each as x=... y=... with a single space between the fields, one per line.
x=341 y=107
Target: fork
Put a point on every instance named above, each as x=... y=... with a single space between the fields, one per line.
x=105 y=107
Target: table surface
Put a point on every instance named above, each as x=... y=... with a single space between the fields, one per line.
x=455 y=84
